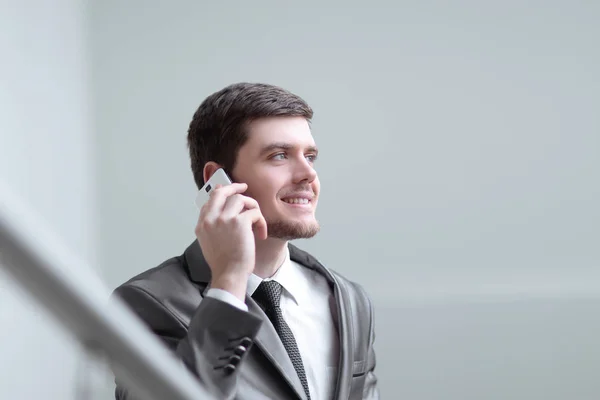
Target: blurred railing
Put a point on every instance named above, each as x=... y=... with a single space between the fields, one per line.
x=69 y=290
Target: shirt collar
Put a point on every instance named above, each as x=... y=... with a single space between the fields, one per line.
x=287 y=275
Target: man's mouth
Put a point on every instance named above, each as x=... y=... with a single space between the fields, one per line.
x=299 y=198
x=296 y=200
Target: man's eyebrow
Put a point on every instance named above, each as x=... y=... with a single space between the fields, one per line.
x=285 y=146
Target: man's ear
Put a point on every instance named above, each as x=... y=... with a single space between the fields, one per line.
x=209 y=169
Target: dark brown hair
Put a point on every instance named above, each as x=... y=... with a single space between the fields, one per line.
x=218 y=128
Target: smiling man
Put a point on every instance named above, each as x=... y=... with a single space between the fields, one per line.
x=250 y=314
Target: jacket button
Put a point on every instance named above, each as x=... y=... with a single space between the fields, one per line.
x=229 y=368
x=234 y=360
x=246 y=342
x=239 y=350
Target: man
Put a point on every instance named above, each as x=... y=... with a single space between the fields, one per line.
x=251 y=315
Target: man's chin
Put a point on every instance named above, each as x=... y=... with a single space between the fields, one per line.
x=291 y=230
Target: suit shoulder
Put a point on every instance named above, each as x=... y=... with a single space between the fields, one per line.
x=167 y=288
x=154 y=280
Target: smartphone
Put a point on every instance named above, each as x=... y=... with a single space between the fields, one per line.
x=218 y=178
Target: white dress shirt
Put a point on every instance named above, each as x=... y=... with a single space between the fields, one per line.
x=305 y=305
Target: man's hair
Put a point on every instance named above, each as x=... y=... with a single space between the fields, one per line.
x=219 y=126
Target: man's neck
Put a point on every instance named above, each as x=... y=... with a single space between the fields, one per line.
x=270 y=254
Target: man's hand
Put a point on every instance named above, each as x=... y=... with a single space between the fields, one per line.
x=226 y=231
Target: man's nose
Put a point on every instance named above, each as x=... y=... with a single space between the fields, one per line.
x=305 y=171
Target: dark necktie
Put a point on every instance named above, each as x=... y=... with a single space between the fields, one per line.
x=268 y=295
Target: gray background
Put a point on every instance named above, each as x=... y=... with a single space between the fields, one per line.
x=46 y=158
x=460 y=169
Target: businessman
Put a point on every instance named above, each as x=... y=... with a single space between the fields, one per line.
x=250 y=314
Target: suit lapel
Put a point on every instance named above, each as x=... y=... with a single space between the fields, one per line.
x=341 y=313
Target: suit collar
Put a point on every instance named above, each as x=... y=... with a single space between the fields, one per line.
x=199 y=270
x=197 y=266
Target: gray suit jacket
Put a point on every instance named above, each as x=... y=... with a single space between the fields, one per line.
x=237 y=354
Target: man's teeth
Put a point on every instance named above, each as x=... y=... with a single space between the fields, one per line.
x=297 y=201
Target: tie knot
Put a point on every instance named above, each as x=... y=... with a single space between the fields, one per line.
x=268 y=294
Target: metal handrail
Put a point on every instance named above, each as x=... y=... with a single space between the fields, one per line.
x=68 y=289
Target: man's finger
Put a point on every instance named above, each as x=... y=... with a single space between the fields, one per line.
x=237 y=204
x=219 y=195
x=257 y=220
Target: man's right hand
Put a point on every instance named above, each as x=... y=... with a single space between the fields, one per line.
x=226 y=230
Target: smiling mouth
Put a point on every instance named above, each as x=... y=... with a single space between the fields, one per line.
x=300 y=201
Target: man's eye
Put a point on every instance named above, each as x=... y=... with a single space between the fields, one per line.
x=278 y=156
x=311 y=157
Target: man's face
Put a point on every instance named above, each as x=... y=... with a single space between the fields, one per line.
x=277 y=163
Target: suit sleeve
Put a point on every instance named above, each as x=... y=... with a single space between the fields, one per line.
x=371 y=390
x=214 y=345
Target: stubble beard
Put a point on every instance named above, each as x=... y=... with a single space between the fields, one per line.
x=291 y=230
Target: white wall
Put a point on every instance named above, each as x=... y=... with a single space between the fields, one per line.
x=46 y=158
x=459 y=167
x=480 y=120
